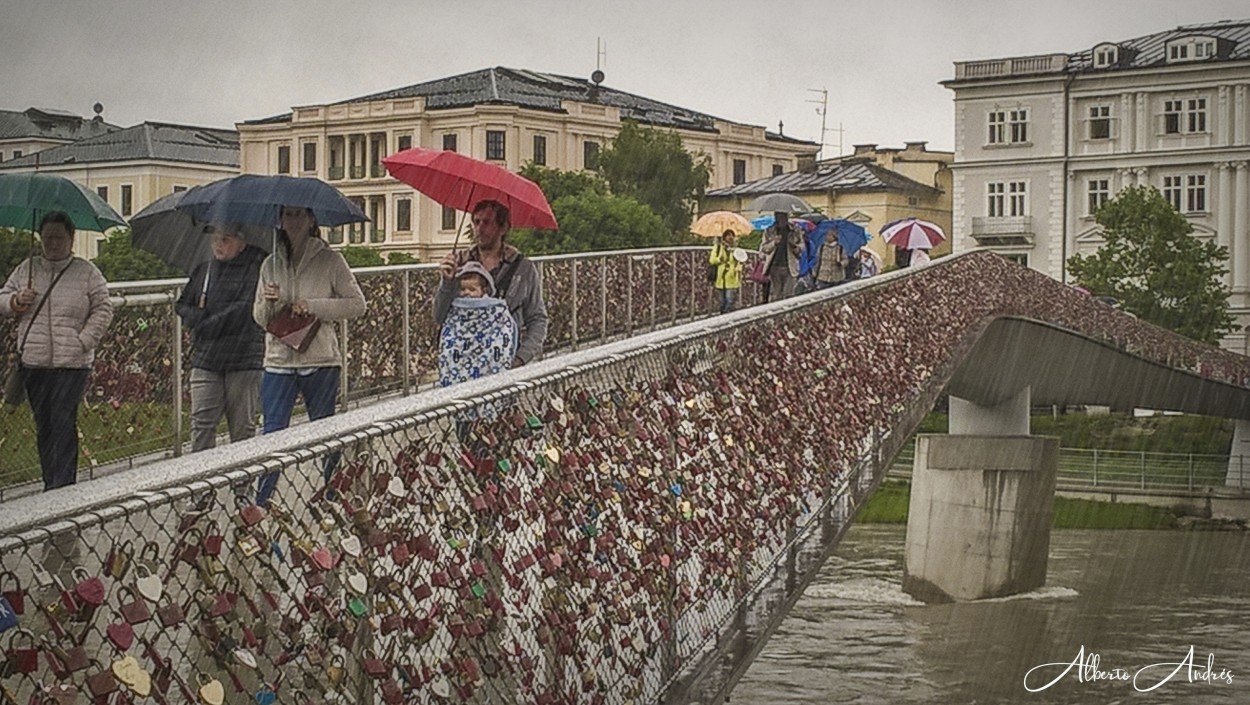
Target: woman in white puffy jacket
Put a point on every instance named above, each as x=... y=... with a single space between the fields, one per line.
x=57 y=335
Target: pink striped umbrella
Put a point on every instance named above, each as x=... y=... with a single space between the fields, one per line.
x=913 y=234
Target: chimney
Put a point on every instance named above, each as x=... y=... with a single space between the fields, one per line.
x=915 y=146
x=862 y=150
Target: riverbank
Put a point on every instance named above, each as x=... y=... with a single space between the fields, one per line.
x=888 y=505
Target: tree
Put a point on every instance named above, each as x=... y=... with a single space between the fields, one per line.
x=15 y=246
x=557 y=184
x=594 y=221
x=121 y=261
x=653 y=167
x=361 y=256
x=1155 y=268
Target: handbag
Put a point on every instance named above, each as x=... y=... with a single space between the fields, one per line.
x=14 y=386
x=294 y=330
x=758 y=273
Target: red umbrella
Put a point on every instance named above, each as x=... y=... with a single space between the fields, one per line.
x=460 y=182
x=913 y=234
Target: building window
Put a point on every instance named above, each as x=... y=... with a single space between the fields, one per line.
x=284 y=159
x=1196 y=115
x=310 y=156
x=540 y=150
x=127 y=199
x=1196 y=193
x=740 y=171
x=998 y=127
x=403 y=214
x=778 y=169
x=179 y=189
x=1016 y=194
x=1006 y=199
x=1184 y=116
x=17 y=153
x=403 y=142
x=1105 y=57
x=1204 y=49
x=1019 y=119
x=1172 y=190
x=1100 y=122
x=449 y=142
x=1178 y=52
x=995 y=207
x=1020 y=258
x=1099 y=192
x=495 y=145
x=590 y=155
x=103 y=192
x=449 y=218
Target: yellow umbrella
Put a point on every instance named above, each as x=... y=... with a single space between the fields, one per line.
x=715 y=224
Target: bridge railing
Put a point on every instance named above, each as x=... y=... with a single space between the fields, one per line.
x=1131 y=469
x=138 y=401
x=590 y=528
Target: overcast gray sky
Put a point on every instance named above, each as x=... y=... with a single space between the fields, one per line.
x=217 y=62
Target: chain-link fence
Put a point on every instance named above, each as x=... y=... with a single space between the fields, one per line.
x=129 y=416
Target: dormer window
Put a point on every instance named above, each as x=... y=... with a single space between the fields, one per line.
x=1106 y=56
x=1191 y=49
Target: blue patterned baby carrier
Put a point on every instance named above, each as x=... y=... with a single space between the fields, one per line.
x=479 y=338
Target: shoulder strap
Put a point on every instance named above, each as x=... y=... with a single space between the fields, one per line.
x=505 y=277
x=43 y=300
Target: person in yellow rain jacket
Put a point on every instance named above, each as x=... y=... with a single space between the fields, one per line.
x=728 y=271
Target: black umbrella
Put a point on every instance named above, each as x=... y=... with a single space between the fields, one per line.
x=778 y=202
x=178 y=239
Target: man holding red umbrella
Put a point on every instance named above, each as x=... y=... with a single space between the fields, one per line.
x=516 y=278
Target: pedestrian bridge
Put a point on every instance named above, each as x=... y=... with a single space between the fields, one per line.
x=624 y=524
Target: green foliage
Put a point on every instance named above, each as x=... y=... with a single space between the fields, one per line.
x=15 y=246
x=361 y=256
x=120 y=261
x=593 y=221
x=1200 y=435
x=398 y=257
x=1156 y=269
x=751 y=241
x=557 y=184
x=889 y=505
x=653 y=167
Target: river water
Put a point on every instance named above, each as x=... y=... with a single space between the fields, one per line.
x=1133 y=599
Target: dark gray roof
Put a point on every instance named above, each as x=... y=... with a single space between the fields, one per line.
x=50 y=124
x=540 y=91
x=857 y=175
x=1147 y=51
x=145 y=141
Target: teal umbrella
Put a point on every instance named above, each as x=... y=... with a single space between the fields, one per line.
x=25 y=198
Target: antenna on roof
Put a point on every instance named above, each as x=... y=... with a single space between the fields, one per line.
x=601 y=54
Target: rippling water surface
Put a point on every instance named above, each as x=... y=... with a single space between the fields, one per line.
x=1133 y=598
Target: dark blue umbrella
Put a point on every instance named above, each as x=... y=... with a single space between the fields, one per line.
x=258 y=200
x=850 y=236
x=179 y=239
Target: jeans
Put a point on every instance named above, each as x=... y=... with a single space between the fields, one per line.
x=55 y=395
x=728 y=299
x=215 y=393
x=277 y=400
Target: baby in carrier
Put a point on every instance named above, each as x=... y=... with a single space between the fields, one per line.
x=479 y=337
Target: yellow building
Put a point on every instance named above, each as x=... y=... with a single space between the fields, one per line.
x=872 y=187
x=133 y=167
x=28 y=131
x=505 y=116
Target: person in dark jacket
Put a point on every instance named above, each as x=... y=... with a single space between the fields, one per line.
x=228 y=345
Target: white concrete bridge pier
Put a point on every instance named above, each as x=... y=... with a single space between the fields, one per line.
x=981 y=503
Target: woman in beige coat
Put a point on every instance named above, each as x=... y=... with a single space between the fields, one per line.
x=62 y=307
x=314 y=280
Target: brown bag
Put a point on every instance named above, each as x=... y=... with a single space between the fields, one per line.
x=14 y=389
x=295 y=331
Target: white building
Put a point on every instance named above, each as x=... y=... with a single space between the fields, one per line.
x=1041 y=141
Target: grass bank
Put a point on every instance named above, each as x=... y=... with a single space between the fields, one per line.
x=888 y=505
